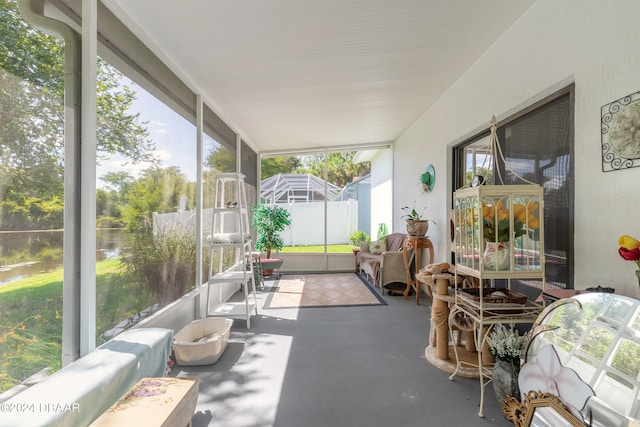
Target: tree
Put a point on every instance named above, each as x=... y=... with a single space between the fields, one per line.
x=120 y=182
x=32 y=120
x=221 y=160
x=158 y=190
x=275 y=165
x=28 y=53
x=340 y=167
x=37 y=59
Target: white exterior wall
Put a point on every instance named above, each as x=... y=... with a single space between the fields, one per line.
x=594 y=44
x=382 y=193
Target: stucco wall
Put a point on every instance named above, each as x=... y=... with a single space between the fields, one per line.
x=594 y=44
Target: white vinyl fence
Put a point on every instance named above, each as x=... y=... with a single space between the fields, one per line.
x=307 y=222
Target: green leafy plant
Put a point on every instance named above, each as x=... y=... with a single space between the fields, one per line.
x=412 y=214
x=359 y=236
x=269 y=221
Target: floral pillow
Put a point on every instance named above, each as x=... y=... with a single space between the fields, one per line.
x=379 y=246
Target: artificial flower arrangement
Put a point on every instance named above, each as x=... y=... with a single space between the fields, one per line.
x=629 y=249
x=496 y=220
x=506 y=344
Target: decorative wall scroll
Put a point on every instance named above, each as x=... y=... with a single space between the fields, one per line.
x=620 y=129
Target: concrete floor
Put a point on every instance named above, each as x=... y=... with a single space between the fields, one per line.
x=336 y=366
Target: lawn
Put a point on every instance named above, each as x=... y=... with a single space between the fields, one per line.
x=31 y=318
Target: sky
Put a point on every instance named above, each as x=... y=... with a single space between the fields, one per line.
x=174 y=137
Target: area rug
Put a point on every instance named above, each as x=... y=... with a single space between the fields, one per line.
x=322 y=290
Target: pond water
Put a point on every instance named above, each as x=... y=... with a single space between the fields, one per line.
x=26 y=253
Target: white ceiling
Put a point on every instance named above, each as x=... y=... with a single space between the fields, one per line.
x=289 y=74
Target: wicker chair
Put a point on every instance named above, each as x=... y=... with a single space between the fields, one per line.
x=387 y=266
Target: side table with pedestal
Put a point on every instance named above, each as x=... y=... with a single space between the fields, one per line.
x=417 y=243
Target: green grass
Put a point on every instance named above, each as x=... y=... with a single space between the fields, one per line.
x=31 y=314
x=31 y=318
x=319 y=249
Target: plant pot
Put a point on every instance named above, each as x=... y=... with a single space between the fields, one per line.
x=417 y=227
x=496 y=256
x=505 y=379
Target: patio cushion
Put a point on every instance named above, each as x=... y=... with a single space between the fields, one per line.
x=379 y=246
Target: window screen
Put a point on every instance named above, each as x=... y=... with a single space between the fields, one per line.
x=538 y=146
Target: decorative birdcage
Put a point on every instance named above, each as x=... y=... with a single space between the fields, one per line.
x=498 y=229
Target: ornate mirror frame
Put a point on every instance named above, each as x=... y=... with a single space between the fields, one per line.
x=523 y=414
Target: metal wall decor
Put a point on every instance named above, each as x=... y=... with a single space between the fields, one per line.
x=428 y=179
x=621 y=133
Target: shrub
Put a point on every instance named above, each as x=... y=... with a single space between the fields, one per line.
x=359 y=236
x=164 y=261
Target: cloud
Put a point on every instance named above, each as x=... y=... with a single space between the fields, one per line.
x=162 y=155
x=159 y=127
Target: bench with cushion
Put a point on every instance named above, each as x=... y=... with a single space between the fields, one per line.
x=78 y=393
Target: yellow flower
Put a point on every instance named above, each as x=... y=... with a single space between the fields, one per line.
x=628 y=242
x=519 y=210
x=496 y=220
x=487 y=211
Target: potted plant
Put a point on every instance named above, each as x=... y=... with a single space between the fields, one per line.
x=269 y=221
x=359 y=237
x=506 y=345
x=416 y=225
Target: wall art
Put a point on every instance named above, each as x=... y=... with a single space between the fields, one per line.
x=621 y=133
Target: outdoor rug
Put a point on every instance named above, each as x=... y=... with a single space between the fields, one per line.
x=322 y=290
